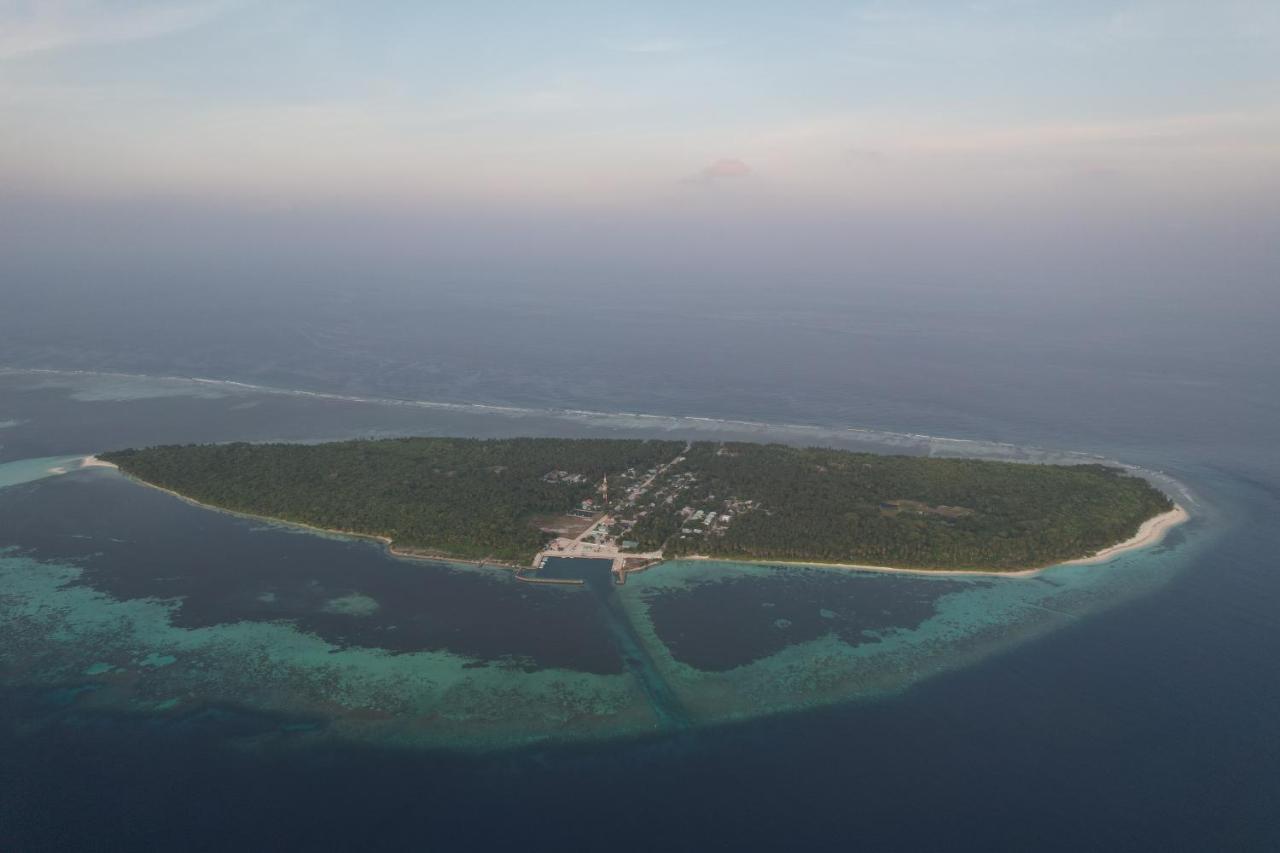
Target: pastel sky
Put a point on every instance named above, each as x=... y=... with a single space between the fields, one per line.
x=861 y=104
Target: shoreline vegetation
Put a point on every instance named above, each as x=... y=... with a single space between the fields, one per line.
x=93 y=461
x=1152 y=532
x=590 y=510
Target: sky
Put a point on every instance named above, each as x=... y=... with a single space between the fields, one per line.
x=903 y=105
x=1123 y=145
x=198 y=184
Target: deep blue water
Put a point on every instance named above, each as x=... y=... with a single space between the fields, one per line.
x=1154 y=725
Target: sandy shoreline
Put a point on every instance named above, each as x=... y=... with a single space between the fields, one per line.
x=1151 y=532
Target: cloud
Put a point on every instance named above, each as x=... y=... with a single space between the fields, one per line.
x=1098 y=174
x=864 y=156
x=43 y=25
x=726 y=168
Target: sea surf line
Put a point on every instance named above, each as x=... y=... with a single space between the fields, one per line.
x=932 y=444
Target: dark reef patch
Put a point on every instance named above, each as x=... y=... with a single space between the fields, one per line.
x=730 y=622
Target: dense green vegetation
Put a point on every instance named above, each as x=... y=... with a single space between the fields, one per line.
x=459 y=496
x=834 y=506
x=478 y=498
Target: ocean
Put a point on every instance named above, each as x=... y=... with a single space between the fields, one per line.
x=180 y=679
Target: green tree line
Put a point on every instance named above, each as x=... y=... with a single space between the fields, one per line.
x=834 y=506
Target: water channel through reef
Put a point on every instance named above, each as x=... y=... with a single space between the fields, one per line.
x=597 y=576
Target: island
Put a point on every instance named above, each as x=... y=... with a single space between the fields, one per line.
x=516 y=502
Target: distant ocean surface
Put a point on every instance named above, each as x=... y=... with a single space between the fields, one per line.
x=1143 y=717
